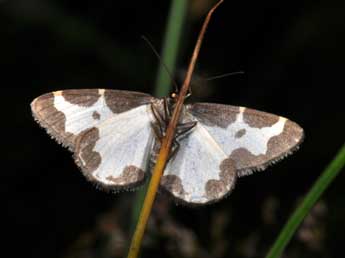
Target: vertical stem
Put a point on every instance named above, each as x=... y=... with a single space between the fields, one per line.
x=172 y=37
x=309 y=201
x=165 y=147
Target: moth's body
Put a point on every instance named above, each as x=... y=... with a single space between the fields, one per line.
x=162 y=110
x=115 y=136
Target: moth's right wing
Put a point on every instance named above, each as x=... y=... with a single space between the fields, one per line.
x=227 y=142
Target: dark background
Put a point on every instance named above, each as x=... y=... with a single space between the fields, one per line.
x=293 y=57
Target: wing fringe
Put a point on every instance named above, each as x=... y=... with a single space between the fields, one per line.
x=250 y=171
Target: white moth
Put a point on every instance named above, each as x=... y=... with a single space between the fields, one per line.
x=115 y=135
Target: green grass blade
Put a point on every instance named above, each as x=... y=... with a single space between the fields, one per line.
x=321 y=184
x=172 y=37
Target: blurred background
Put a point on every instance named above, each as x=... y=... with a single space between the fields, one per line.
x=293 y=56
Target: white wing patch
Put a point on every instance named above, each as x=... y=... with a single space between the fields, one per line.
x=123 y=145
x=196 y=169
x=253 y=139
x=124 y=140
x=80 y=118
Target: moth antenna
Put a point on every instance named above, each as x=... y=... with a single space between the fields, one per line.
x=161 y=61
x=223 y=75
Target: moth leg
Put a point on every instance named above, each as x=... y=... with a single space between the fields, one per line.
x=158 y=118
x=166 y=112
x=184 y=128
x=189 y=93
x=156 y=113
x=157 y=131
x=174 y=149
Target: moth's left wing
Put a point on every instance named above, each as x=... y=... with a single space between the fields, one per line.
x=67 y=113
x=251 y=138
x=109 y=132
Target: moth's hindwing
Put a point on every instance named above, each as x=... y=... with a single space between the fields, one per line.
x=200 y=172
x=116 y=152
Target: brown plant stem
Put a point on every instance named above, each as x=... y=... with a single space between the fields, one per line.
x=166 y=146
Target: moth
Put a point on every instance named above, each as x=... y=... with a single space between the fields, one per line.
x=115 y=135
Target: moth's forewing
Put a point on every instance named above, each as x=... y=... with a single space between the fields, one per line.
x=65 y=114
x=252 y=138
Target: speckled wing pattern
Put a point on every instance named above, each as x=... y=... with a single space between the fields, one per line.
x=109 y=132
x=227 y=142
